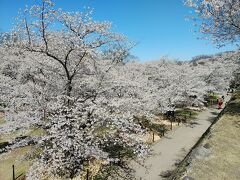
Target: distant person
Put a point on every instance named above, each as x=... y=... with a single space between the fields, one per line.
x=220 y=103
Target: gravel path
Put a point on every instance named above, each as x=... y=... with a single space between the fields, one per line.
x=173 y=147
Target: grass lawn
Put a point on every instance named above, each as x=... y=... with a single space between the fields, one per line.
x=13 y=157
x=187 y=114
x=36 y=132
x=8 y=159
x=224 y=141
x=9 y=137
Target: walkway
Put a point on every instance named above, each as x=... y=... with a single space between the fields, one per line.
x=174 y=146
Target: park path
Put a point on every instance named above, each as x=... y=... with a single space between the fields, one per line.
x=174 y=146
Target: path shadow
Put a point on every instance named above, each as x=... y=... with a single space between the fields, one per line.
x=214 y=113
x=177 y=162
x=167 y=137
x=192 y=124
x=211 y=119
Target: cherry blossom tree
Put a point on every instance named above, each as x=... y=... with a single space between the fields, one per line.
x=61 y=62
x=218 y=19
x=150 y=88
x=66 y=73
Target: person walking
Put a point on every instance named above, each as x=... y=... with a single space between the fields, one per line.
x=220 y=102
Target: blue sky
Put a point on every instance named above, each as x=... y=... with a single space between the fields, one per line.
x=158 y=26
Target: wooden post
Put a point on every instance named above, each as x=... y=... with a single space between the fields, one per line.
x=119 y=158
x=87 y=176
x=13 y=171
x=44 y=114
x=88 y=172
x=153 y=137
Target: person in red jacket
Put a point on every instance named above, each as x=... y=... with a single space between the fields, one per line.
x=220 y=103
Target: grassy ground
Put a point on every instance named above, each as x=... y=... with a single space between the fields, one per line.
x=9 y=137
x=13 y=158
x=35 y=132
x=12 y=136
x=224 y=141
x=187 y=114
